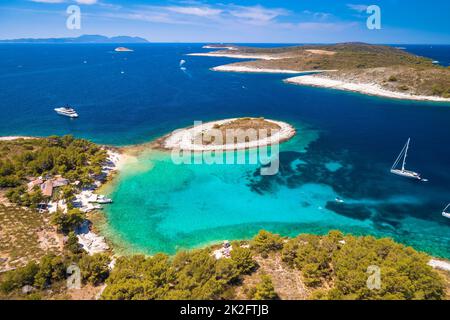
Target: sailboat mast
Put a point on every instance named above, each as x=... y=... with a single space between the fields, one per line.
x=406 y=154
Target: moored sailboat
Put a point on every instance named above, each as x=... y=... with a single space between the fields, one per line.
x=403 y=172
x=446 y=211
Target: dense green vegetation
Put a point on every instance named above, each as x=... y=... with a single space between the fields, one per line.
x=66 y=222
x=265 y=242
x=94 y=269
x=51 y=273
x=74 y=159
x=188 y=275
x=334 y=266
x=344 y=262
x=336 y=260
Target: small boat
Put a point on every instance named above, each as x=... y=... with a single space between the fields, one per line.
x=339 y=200
x=67 y=111
x=403 y=172
x=102 y=199
x=123 y=49
x=446 y=212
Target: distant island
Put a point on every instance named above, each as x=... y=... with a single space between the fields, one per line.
x=80 y=39
x=369 y=69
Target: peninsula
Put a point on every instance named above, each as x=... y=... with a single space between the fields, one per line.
x=368 y=69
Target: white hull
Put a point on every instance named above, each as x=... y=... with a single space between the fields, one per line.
x=445 y=213
x=64 y=113
x=68 y=115
x=104 y=201
x=403 y=172
x=406 y=173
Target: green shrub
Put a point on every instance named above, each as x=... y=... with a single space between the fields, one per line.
x=72 y=244
x=265 y=242
x=264 y=290
x=66 y=222
x=242 y=258
x=51 y=268
x=94 y=269
x=20 y=277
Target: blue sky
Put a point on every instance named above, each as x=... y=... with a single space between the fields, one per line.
x=274 y=21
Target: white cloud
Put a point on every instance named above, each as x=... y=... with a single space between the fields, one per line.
x=256 y=14
x=86 y=1
x=61 y=1
x=357 y=7
x=195 y=11
x=228 y=15
x=48 y=1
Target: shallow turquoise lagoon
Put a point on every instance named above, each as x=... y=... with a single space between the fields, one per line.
x=160 y=206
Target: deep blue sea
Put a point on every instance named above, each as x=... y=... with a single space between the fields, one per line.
x=345 y=146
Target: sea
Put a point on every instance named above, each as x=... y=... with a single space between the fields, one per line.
x=333 y=175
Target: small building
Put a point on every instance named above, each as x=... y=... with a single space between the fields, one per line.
x=47 y=188
x=34 y=183
x=60 y=182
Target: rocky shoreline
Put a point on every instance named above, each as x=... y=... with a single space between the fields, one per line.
x=365 y=88
x=183 y=139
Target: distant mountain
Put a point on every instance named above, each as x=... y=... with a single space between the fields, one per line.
x=80 y=39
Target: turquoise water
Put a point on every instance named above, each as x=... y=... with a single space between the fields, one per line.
x=345 y=146
x=185 y=206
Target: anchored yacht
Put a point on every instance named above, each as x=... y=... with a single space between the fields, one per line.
x=402 y=171
x=66 y=111
x=446 y=212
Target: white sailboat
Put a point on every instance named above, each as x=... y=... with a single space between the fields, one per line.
x=402 y=157
x=446 y=212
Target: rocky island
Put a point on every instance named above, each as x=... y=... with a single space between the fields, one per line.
x=369 y=69
x=244 y=133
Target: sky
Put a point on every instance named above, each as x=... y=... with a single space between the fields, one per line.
x=237 y=21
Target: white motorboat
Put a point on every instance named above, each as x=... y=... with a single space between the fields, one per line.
x=102 y=199
x=66 y=111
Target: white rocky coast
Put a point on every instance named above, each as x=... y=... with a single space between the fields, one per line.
x=366 y=88
x=184 y=139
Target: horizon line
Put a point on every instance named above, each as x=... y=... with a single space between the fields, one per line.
x=12 y=41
